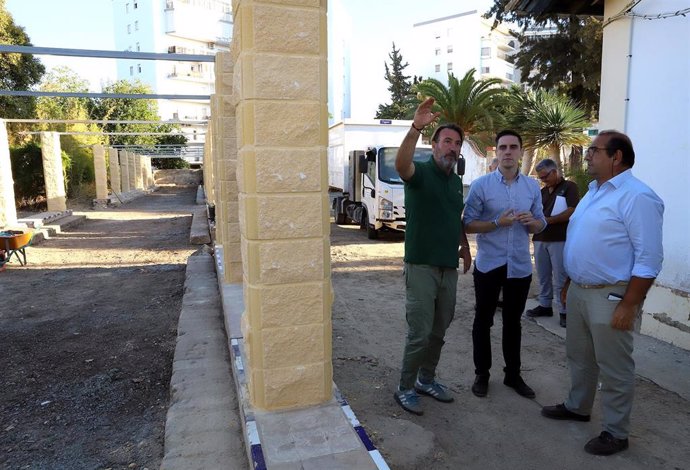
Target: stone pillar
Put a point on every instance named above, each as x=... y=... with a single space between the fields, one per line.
x=209 y=154
x=114 y=165
x=124 y=167
x=8 y=210
x=132 y=165
x=138 y=162
x=148 y=172
x=282 y=133
x=226 y=185
x=53 y=173
x=100 y=172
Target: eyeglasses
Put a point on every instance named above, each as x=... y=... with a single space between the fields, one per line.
x=544 y=177
x=593 y=149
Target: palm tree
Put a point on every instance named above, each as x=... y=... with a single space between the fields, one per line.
x=472 y=104
x=548 y=122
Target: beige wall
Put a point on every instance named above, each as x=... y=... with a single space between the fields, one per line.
x=280 y=86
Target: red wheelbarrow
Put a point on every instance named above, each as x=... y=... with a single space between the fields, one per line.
x=14 y=243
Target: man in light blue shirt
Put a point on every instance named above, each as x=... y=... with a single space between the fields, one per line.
x=613 y=252
x=503 y=208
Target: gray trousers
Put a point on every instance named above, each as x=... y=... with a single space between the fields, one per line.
x=597 y=352
x=429 y=309
x=548 y=257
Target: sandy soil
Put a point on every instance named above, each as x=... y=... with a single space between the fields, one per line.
x=502 y=431
x=87 y=335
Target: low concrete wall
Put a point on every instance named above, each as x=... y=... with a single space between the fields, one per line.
x=178 y=177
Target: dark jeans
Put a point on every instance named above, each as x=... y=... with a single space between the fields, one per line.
x=487 y=287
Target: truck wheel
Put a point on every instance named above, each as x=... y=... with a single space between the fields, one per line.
x=372 y=233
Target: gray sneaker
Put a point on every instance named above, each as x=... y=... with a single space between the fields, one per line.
x=409 y=401
x=435 y=390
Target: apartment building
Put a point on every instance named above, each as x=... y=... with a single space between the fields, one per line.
x=457 y=43
x=173 y=26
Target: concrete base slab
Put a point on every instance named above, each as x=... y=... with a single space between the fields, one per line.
x=327 y=436
x=43 y=218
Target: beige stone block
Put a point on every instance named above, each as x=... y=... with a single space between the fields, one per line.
x=231 y=252
x=283 y=170
x=275 y=76
x=284 y=261
x=281 y=124
x=53 y=174
x=271 y=217
x=232 y=232
x=287 y=30
x=290 y=304
x=232 y=212
x=292 y=345
x=224 y=62
x=233 y=273
x=296 y=387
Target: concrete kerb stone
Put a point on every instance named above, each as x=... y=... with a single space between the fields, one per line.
x=199 y=233
x=202 y=423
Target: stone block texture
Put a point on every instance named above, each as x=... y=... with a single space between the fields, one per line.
x=114 y=167
x=8 y=211
x=100 y=172
x=53 y=173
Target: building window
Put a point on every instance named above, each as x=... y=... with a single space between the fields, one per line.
x=486 y=52
x=126 y=7
x=450 y=48
x=486 y=69
x=129 y=29
x=450 y=66
x=437 y=51
x=136 y=26
x=509 y=76
x=437 y=68
x=139 y=68
x=131 y=70
x=136 y=5
x=437 y=35
x=138 y=48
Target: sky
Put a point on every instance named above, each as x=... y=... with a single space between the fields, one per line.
x=376 y=24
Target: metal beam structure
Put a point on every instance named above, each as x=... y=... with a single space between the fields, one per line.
x=103 y=121
x=11 y=48
x=140 y=96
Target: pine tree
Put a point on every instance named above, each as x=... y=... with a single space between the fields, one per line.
x=403 y=98
x=567 y=61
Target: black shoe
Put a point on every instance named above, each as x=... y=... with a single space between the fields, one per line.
x=561 y=321
x=605 y=444
x=481 y=386
x=539 y=311
x=520 y=386
x=561 y=412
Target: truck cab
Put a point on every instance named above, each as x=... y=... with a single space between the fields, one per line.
x=376 y=200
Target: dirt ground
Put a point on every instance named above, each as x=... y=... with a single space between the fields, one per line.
x=501 y=431
x=87 y=336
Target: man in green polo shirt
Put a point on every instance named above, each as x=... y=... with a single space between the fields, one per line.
x=433 y=209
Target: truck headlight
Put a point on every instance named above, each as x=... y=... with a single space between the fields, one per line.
x=385 y=209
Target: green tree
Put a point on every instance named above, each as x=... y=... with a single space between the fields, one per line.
x=475 y=105
x=17 y=71
x=80 y=170
x=547 y=121
x=127 y=109
x=403 y=102
x=567 y=59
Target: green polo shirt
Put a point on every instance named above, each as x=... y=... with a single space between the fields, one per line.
x=433 y=209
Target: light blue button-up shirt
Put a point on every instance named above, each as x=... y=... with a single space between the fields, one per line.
x=615 y=233
x=491 y=195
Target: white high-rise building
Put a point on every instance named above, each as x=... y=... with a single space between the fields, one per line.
x=455 y=44
x=339 y=37
x=174 y=26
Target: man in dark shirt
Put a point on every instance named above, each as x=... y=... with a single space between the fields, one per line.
x=434 y=239
x=559 y=198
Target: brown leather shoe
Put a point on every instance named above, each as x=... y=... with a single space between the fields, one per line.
x=561 y=412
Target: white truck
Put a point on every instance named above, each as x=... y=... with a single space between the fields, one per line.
x=365 y=187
